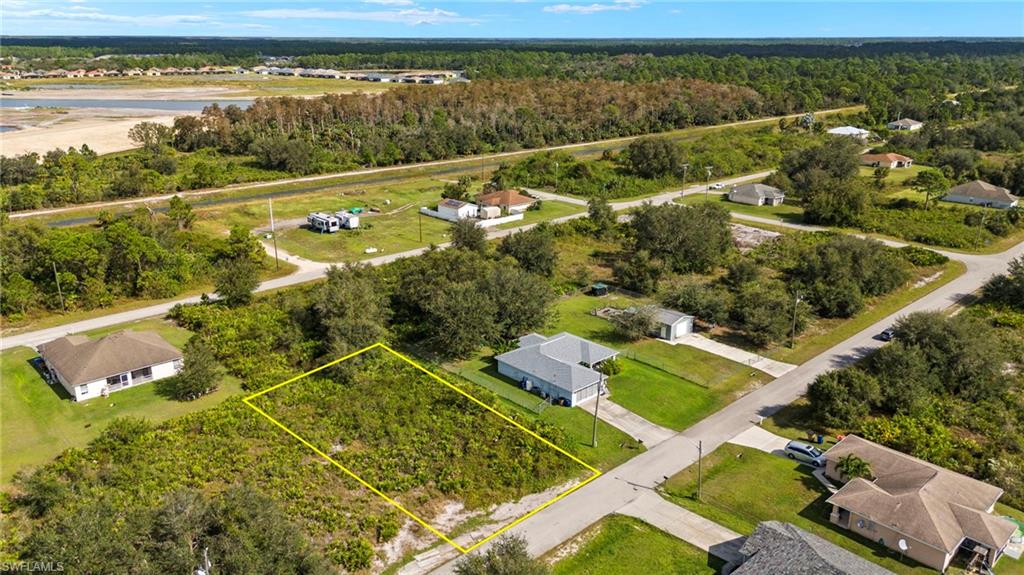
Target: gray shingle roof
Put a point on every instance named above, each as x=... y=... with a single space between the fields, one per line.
x=758 y=191
x=81 y=360
x=557 y=359
x=982 y=190
x=783 y=549
x=670 y=316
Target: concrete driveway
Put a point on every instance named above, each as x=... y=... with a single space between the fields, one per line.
x=759 y=362
x=631 y=424
x=761 y=439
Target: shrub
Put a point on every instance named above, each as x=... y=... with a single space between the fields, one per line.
x=922 y=257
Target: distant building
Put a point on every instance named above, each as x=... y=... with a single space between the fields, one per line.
x=979 y=193
x=562 y=366
x=757 y=195
x=779 y=548
x=916 y=508
x=905 y=124
x=510 y=201
x=454 y=210
x=851 y=132
x=889 y=160
x=88 y=368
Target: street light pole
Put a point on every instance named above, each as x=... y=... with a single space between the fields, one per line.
x=707 y=183
x=685 y=168
x=597 y=405
x=420 y=220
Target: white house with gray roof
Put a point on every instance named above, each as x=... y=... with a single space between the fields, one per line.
x=561 y=366
x=784 y=549
x=757 y=195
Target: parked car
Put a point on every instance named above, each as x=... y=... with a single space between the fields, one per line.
x=717 y=186
x=805 y=453
x=887 y=334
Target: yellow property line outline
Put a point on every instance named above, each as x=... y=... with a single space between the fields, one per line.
x=594 y=472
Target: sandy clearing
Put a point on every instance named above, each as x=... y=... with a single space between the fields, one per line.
x=103 y=135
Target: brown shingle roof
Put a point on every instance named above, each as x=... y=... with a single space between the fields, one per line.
x=919 y=499
x=889 y=157
x=81 y=360
x=504 y=198
x=982 y=190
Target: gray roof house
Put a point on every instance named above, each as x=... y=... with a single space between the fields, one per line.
x=757 y=195
x=560 y=366
x=905 y=124
x=784 y=549
x=90 y=367
x=981 y=193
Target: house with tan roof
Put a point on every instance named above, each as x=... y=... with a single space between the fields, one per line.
x=924 y=511
x=979 y=193
x=905 y=124
x=89 y=368
x=510 y=201
x=889 y=160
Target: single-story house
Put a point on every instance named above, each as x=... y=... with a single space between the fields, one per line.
x=456 y=209
x=562 y=366
x=757 y=195
x=905 y=124
x=917 y=508
x=89 y=367
x=981 y=193
x=510 y=201
x=784 y=549
x=851 y=132
x=889 y=160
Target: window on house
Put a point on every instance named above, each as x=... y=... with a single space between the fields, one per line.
x=120 y=379
x=83 y=390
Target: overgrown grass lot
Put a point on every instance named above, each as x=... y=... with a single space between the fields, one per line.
x=743 y=486
x=38 y=420
x=620 y=545
x=230 y=85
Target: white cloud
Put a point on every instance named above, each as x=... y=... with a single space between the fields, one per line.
x=88 y=15
x=390 y=2
x=616 y=5
x=412 y=16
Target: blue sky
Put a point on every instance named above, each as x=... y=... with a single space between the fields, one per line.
x=513 y=18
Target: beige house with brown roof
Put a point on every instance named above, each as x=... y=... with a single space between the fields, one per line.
x=510 y=201
x=934 y=512
x=88 y=368
x=889 y=160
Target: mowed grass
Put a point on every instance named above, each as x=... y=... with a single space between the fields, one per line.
x=786 y=213
x=620 y=545
x=38 y=421
x=613 y=446
x=744 y=486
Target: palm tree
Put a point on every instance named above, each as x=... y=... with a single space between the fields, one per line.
x=850 y=466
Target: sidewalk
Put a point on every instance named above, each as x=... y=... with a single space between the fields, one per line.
x=630 y=423
x=686 y=525
x=761 y=439
x=769 y=366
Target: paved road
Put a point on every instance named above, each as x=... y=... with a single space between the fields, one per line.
x=621 y=486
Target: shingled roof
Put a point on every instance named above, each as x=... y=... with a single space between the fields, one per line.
x=783 y=549
x=80 y=360
x=504 y=198
x=982 y=190
x=919 y=499
x=758 y=191
x=558 y=359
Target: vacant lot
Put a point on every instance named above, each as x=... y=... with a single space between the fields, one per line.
x=784 y=491
x=619 y=545
x=38 y=421
x=788 y=212
x=191 y=87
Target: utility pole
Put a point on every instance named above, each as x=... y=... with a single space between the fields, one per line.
x=700 y=475
x=420 y=220
x=792 y=331
x=597 y=404
x=707 y=183
x=273 y=233
x=685 y=168
x=59 y=292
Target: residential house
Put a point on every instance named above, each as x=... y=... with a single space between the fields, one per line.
x=79 y=73
x=851 y=132
x=88 y=368
x=757 y=195
x=670 y=324
x=784 y=549
x=152 y=72
x=981 y=193
x=924 y=511
x=905 y=124
x=453 y=210
x=562 y=366
x=889 y=160
x=510 y=201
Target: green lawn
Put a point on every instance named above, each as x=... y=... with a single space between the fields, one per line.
x=39 y=421
x=787 y=212
x=744 y=486
x=549 y=210
x=613 y=446
x=619 y=545
x=661 y=397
